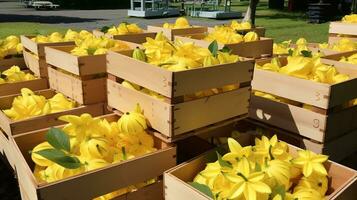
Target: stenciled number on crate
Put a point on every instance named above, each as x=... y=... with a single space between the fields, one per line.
x=317 y=94
x=316 y=123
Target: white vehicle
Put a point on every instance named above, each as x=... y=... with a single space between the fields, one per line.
x=44 y=5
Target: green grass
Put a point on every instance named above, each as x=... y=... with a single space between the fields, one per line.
x=280 y=25
x=24 y=28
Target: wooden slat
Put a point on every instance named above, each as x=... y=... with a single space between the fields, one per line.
x=60 y=58
x=151 y=192
x=253 y=49
x=82 y=91
x=191 y=81
x=288 y=117
x=36 y=65
x=319 y=127
x=156 y=78
x=171 y=33
x=29 y=44
x=15 y=88
x=7 y=63
x=306 y=91
x=259 y=30
x=195 y=114
x=156 y=111
x=333 y=39
x=137 y=38
x=343 y=28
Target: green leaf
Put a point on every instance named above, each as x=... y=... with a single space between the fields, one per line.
x=226 y=49
x=213 y=48
x=58 y=139
x=60 y=158
x=279 y=189
x=290 y=52
x=306 y=53
x=202 y=188
x=105 y=29
x=222 y=162
x=258 y=168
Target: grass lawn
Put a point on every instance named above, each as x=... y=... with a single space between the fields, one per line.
x=280 y=25
x=25 y=28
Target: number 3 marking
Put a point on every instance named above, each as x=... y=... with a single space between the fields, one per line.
x=317 y=94
x=316 y=123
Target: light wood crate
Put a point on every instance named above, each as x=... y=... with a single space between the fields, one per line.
x=320 y=95
x=174 y=120
x=15 y=88
x=175 y=85
x=314 y=48
x=172 y=116
x=94 y=183
x=11 y=127
x=171 y=33
x=321 y=127
x=343 y=180
x=337 y=149
x=34 y=54
x=259 y=30
x=253 y=49
x=339 y=30
x=137 y=38
x=9 y=62
x=85 y=76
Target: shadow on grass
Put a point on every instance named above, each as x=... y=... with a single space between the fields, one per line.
x=44 y=19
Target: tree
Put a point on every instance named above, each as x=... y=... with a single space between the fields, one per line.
x=250 y=14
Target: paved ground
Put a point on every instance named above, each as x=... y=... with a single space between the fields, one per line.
x=13 y=11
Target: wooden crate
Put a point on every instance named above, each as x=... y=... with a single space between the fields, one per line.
x=321 y=127
x=94 y=183
x=137 y=38
x=175 y=85
x=337 y=149
x=9 y=62
x=85 y=76
x=320 y=95
x=343 y=180
x=11 y=127
x=171 y=33
x=259 y=30
x=15 y=88
x=339 y=30
x=34 y=54
x=253 y=49
x=172 y=120
x=174 y=116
